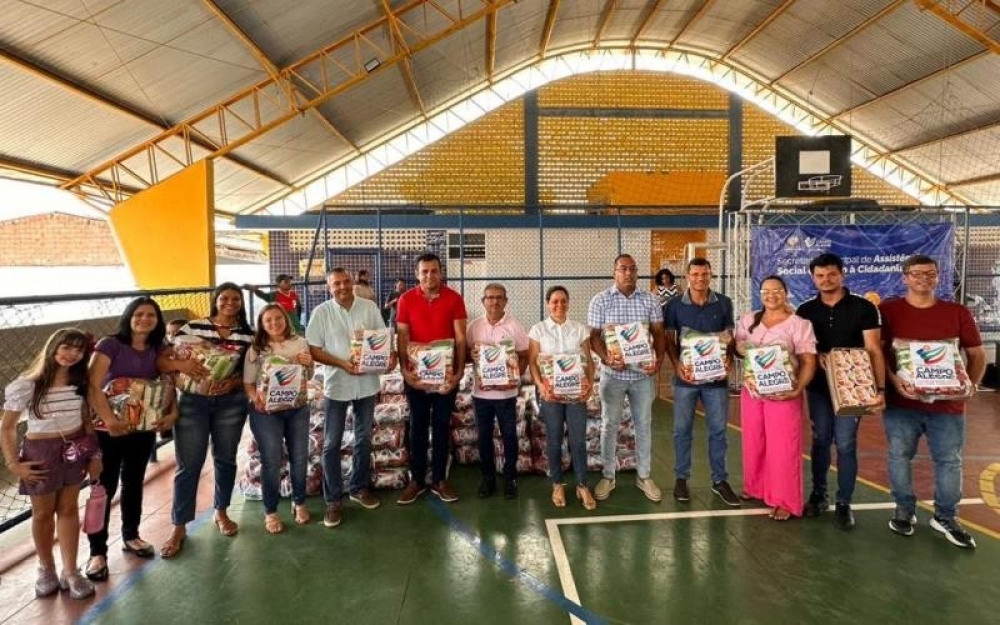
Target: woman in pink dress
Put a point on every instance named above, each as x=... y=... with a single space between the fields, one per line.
x=771 y=418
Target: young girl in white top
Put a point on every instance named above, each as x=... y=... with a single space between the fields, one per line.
x=58 y=449
x=290 y=426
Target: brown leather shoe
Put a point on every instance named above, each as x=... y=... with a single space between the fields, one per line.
x=444 y=492
x=332 y=516
x=410 y=493
x=365 y=499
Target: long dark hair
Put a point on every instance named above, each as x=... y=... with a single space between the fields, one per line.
x=261 y=339
x=759 y=315
x=44 y=368
x=124 y=331
x=213 y=308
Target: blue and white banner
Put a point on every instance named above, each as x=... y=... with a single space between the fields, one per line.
x=873 y=256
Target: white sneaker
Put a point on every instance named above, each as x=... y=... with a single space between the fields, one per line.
x=649 y=488
x=604 y=488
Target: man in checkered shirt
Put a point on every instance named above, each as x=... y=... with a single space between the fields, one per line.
x=620 y=304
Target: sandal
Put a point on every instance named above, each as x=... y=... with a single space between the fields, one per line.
x=301 y=514
x=97 y=568
x=138 y=547
x=745 y=496
x=227 y=526
x=559 y=495
x=586 y=498
x=779 y=514
x=173 y=545
x=273 y=524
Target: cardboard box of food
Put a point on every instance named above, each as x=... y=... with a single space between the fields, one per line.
x=852 y=382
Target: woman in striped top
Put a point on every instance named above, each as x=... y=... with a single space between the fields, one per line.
x=58 y=449
x=212 y=405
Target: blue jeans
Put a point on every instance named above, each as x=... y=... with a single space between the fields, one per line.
x=429 y=411
x=201 y=417
x=715 y=400
x=640 y=399
x=945 y=438
x=575 y=417
x=273 y=431
x=504 y=413
x=333 y=436
x=828 y=429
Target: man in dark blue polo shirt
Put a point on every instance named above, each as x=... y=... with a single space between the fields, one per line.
x=839 y=319
x=703 y=310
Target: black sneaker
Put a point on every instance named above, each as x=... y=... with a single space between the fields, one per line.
x=681 y=492
x=953 y=532
x=726 y=494
x=510 y=489
x=843 y=518
x=816 y=505
x=903 y=523
x=487 y=486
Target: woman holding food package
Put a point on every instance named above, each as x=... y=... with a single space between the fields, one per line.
x=131 y=403
x=208 y=354
x=550 y=341
x=277 y=368
x=779 y=358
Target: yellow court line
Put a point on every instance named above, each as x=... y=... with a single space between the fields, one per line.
x=986 y=478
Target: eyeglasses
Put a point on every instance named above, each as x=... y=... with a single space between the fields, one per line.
x=627 y=269
x=766 y=292
x=497 y=297
x=923 y=274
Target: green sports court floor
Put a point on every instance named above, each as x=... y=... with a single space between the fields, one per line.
x=524 y=561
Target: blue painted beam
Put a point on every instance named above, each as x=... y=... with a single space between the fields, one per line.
x=709 y=219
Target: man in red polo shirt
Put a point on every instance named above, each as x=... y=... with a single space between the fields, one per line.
x=430 y=312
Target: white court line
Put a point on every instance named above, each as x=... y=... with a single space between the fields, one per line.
x=562 y=560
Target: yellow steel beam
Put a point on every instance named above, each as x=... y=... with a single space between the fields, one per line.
x=400 y=46
x=95 y=96
x=652 y=6
x=948 y=137
x=756 y=29
x=602 y=22
x=260 y=108
x=976 y=180
x=550 y=23
x=272 y=69
x=913 y=83
x=836 y=43
x=694 y=18
x=955 y=20
x=491 y=45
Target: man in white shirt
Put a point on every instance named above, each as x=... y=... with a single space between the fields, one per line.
x=332 y=325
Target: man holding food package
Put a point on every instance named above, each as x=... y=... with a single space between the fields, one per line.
x=498 y=350
x=923 y=339
x=431 y=339
x=626 y=332
x=700 y=330
x=848 y=340
x=348 y=335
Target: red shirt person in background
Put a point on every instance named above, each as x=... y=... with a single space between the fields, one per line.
x=285 y=296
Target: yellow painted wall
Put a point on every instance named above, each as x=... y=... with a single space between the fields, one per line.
x=166 y=234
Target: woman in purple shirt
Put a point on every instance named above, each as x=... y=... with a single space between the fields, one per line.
x=128 y=353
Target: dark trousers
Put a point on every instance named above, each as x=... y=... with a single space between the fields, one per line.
x=124 y=458
x=503 y=412
x=429 y=411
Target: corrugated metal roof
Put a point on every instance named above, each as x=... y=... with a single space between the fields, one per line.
x=171 y=60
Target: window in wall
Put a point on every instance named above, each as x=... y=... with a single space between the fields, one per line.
x=472 y=244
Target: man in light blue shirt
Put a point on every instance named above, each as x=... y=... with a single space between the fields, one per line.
x=332 y=325
x=623 y=303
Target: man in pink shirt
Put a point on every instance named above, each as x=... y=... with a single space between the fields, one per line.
x=496 y=403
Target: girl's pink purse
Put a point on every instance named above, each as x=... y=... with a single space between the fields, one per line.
x=93 y=515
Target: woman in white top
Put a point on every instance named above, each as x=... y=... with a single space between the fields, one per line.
x=558 y=336
x=289 y=425
x=58 y=449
